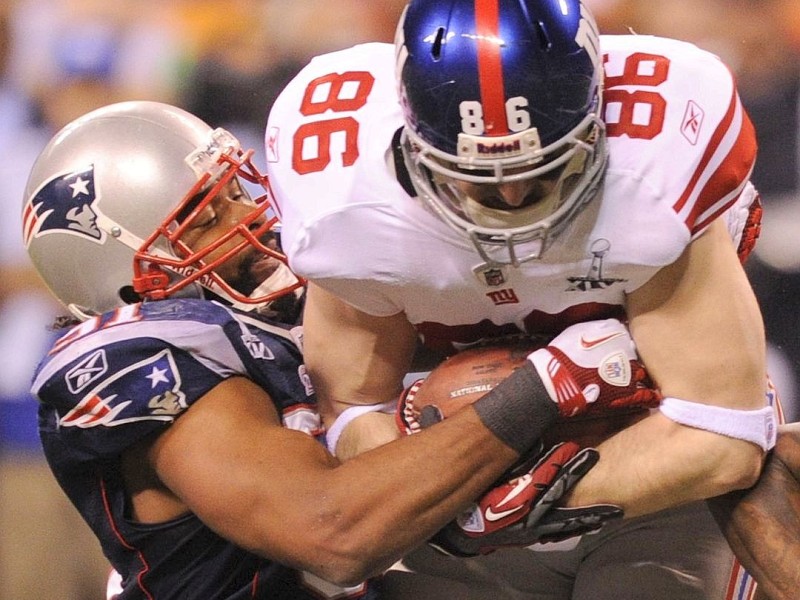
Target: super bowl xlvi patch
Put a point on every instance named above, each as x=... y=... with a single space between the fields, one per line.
x=154 y=384
x=471 y=520
x=615 y=369
x=64 y=204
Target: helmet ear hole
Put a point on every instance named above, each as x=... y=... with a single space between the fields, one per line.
x=541 y=33
x=128 y=295
x=436 y=48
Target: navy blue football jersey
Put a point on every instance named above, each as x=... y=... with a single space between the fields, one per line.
x=128 y=374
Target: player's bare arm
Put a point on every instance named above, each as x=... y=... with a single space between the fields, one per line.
x=354 y=358
x=762 y=524
x=230 y=461
x=698 y=330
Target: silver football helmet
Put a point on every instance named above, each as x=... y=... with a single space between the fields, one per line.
x=110 y=199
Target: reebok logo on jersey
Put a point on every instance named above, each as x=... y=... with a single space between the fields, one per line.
x=272 y=145
x=90 y=369
x=692 y=122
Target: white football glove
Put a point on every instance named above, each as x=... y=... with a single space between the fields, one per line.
x=594 y=365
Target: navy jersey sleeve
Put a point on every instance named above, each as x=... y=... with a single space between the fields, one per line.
x=126 y=375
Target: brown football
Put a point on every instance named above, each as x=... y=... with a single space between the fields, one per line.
x=463 y=378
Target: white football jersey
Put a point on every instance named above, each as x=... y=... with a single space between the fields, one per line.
x=681 y=150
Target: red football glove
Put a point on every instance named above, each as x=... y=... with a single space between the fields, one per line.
x=593 y=366
x=520 y=512
x=410 y=418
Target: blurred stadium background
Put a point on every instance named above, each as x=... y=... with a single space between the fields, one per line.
x=226 y=61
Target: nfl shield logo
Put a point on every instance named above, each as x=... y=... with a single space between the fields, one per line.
x=494 y=277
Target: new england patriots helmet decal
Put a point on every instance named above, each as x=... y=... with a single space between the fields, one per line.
x=64 y=204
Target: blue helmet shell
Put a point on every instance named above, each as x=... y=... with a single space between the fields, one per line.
x=493 y=52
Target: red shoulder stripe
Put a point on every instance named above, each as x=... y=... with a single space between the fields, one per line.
x=722 y=171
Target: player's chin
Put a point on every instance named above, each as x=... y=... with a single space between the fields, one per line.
x=262 y=267
x=253 y=270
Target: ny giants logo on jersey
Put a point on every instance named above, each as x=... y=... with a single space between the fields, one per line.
x=500 y=297
x=156 y=378
x=64 y=204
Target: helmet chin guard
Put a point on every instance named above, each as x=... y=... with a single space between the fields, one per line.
x=159 y=274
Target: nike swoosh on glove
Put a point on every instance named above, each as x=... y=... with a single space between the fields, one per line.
x=521 y=511
x=594 y=366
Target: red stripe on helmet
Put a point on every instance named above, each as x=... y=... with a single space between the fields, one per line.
x=490 y=67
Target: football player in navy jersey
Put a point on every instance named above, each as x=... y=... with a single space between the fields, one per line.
x=180 y=421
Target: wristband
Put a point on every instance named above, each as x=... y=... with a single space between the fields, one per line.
x=518 y=410
x=756 y=426
x=348 y=415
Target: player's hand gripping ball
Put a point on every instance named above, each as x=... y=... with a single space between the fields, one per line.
x=590 y=370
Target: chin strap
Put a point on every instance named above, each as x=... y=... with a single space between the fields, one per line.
x=80 y=312
x=282 y=277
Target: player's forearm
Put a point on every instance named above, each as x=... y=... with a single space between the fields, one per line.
x=389 y=500
x=351 y=357
x=365 y=433
x=762 y=524
x=656 y=464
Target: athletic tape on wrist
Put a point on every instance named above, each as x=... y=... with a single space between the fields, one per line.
x=518 y=410
x=350 y=414
x=756 y=426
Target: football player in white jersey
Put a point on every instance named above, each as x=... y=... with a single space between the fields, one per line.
x=181 y=422
x=504 y=169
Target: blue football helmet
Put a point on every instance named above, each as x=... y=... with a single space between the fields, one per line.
x=501 y=94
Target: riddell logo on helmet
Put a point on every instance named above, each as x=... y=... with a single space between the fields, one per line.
x=189 y=271
x=500 y=148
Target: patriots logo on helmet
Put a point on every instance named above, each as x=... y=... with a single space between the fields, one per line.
x=64 y=204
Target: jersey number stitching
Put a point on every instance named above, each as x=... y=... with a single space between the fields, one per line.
x=638 y=113
x=635 y=113
x=337 y=92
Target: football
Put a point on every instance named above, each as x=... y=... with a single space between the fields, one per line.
x=464 y=377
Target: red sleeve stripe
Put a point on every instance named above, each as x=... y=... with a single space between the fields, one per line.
x=490 y=67
x=722 y=172
x=735 y=171
x=698 y=223
x=145 y=569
